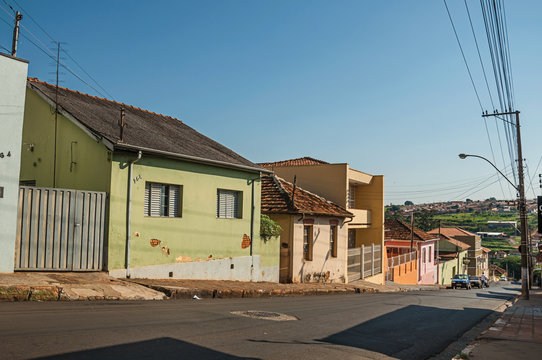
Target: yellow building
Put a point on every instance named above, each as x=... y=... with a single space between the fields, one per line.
x=360 y=193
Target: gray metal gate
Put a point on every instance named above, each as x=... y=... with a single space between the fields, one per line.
x=60 y=229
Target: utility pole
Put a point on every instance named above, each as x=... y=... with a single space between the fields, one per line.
x=522 y=209
x=56 y=110
x=18 y=17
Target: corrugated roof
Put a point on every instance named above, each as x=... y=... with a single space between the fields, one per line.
x=398 y=230
x=277 y=198
x=295 y=162
x=144 y=129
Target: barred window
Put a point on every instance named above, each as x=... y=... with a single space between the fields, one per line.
x=307 y=242
x=333 y=240
x=228 y=204
x=162 y=200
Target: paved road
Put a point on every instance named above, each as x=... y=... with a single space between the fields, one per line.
x=377 y=326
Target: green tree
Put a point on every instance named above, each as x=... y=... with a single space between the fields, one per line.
x=408 y=203
x=268 y=228
x=425 y=220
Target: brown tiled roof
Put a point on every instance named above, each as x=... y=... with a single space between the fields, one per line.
x=450 y=232
x=447 y=255
x=461 y=244
x=294 y=162
x=277 y=198
x=486 y=250
x=397 y=230
x=144 y=129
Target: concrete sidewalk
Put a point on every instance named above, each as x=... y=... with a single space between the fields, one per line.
x=41 y=286
x=516 y=334
x=179 y=289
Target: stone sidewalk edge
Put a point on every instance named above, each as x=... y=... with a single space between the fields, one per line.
x=500 y=309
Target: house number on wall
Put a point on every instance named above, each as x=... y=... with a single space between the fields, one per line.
x=2 y=154
x=137 y=178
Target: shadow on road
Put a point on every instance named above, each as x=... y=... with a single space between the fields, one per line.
x=397 y=333
x=161 y=348
x=495 y=295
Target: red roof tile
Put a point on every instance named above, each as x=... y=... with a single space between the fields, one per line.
x=295 y=162
x=277 y=198
x=398 y=230
x=450 y=232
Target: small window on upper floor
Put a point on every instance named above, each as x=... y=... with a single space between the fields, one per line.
x=229 y=204
x=162 y=200
x=352 y=196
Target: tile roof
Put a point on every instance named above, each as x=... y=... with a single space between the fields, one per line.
x=144 y=129
x=397 y=230
x=486 y=250
x=450 y=232
x=295 y=162
x=450 y=239
x=277 y=195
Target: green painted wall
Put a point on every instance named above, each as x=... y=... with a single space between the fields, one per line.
x=446 y=269
x=198 y=233
x=92 y=167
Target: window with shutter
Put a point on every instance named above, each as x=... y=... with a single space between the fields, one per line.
x=162 y=200
x=228 y=204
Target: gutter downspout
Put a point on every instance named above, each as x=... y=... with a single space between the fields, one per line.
x=252 y=208
x=129 y=213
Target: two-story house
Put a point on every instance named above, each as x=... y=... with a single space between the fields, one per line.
x=359 y=193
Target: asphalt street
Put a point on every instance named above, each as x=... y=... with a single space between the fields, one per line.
x=413 y=325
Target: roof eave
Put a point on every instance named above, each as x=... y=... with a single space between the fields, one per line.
x=196 y=159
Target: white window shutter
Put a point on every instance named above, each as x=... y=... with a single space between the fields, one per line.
x=155 y=199
x=146 y=205
x=173 y=201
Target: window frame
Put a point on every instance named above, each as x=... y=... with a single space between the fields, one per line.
x=308 y=239
x=333 y=231
x=237 y=206
x=167 y=202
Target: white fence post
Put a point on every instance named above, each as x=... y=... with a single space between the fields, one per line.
x=372 y=259
x=362 y=261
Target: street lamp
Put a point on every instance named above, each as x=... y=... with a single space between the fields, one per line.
x=523 y=221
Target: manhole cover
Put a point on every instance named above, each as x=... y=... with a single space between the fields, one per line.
x=265 y=315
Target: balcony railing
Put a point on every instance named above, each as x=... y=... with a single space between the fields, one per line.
x=401 y=259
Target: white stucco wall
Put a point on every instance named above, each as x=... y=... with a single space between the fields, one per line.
x=12 y=96
x=322 y=262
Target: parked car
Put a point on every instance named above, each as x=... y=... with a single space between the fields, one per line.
x=461 y=281
x=503 y=278
x=476 y=281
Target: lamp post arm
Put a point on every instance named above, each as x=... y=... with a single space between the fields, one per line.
x=490 y=163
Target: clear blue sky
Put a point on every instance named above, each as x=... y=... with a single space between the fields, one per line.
x=378 y=84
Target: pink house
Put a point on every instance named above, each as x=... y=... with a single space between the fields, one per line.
x=398 y=237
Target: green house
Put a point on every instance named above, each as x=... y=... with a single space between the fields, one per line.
x=179 y=205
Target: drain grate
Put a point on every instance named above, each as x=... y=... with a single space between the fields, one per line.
x=265 y=315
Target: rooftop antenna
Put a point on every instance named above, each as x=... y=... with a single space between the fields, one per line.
x=122 y=124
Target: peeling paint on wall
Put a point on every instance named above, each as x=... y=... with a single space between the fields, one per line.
x=165 y=249
x=246 y=241
x=182 y=258
x=155 y=242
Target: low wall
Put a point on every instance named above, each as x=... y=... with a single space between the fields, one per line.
x=244 y=268
x=406 y=274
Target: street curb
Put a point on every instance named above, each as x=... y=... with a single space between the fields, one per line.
x=173 y=292
x=499 y=309
x=30 y=293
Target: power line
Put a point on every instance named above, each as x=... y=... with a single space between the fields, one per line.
x=51 y=55
x=80 y=67
x=35 y=22
x=463 y=54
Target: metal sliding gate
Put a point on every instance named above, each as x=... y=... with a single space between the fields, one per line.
x=60 y=229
